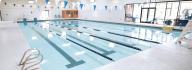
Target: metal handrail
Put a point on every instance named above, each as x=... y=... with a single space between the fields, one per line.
x=28 y=59
x=24 y=55
x=34 y=64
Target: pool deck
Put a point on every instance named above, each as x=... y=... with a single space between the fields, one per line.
x=12 y=45
x=163 y=57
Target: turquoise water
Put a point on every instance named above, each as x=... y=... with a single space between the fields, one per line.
x=86 y=45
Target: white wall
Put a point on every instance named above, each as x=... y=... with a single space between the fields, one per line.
x=110 y=14
x=9 y=12
x=16 y=13
x=100 y=13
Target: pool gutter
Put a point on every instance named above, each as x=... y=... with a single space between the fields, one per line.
x=176 y=28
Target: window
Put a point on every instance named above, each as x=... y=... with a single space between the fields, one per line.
x=172 y=8
x=160 y=11
x=186 y=10
x=137 y=12
x=148 y=12
x=129 y=12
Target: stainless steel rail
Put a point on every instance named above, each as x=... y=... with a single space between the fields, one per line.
x=30 y=59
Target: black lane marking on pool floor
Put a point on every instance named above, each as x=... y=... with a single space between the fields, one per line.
x=72 y=61
x=103 y=55
x=120 y=43
x=133 y=37
x=88 y=48
x=124 y=44
x=126 y=36
x=91 y=50
x=98 y=48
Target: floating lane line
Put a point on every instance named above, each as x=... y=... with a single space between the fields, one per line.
x=72 y=61
x=125 y=36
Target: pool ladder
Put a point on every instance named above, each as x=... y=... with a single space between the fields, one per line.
x=30 y=59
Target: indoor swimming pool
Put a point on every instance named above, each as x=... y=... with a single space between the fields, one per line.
x=87 y=45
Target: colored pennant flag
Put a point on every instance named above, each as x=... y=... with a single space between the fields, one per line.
x=38 y=8
x=46 y=2
x=116 y=7
x=94 y=7
x=65 y=4
x=81 y=6
x=105 y=7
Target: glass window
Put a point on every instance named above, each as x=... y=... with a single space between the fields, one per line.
x=172 y=8
x=144 y=15
x=186 y=10
x=152 y=4
x=151 y=15
x=146 y=5
x=160 y=11
x=129 y=12
x=137 y=12
x=169 y=5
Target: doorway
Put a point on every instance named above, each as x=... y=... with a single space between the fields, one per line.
x=147 y=15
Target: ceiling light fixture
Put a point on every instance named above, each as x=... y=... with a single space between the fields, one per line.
x=115 y=1
x=49 y=2
x=30 y=1
x=92 y=0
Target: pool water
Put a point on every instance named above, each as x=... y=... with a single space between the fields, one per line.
x=86 y=45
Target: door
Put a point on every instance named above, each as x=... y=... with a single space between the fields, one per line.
x=129 y=12
x=147 y=15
